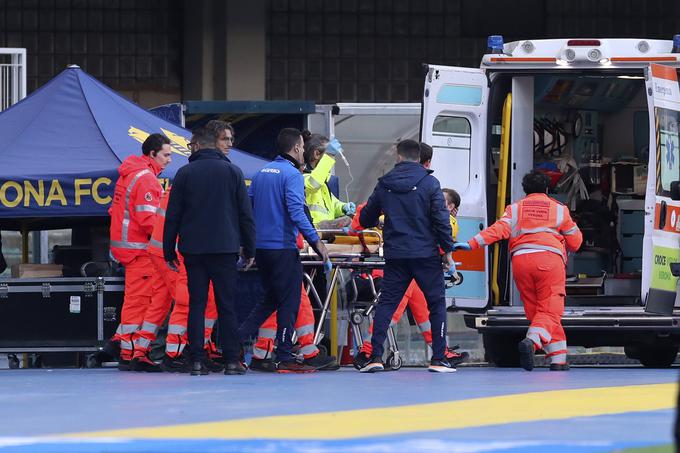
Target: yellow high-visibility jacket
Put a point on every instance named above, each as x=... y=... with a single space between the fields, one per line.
x=454 y=227
x=323 y=205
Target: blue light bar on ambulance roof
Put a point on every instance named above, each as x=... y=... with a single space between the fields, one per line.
x=495 y=44
x=676 y=44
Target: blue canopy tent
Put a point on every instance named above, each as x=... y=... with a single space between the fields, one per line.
x=61 y=146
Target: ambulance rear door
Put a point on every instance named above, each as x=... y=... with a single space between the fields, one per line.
x=454 y=124
x=662 y=206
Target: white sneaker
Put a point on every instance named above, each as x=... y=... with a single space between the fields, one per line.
x=372 y=367
x=441 y=366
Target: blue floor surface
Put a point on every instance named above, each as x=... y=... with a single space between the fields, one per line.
x=37 y=405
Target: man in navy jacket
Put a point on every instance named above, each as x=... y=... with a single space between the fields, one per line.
x=210 y=211
x=416 y=226
x=278 y=196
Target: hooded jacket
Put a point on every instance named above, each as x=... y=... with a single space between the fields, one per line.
x=209 y=208
x=416 y=218
x=133 y=210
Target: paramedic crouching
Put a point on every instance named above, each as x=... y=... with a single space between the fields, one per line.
x=416 y=225
x=541 y=232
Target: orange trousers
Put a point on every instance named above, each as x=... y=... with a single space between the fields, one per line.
x=415 y=300
x=540 y=279
x=176 y=339
x=304 y=327
x=139 y=280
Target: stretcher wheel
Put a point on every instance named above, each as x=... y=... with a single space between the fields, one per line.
x=92 y=361
x=357 y=318
x=457 y=279
x=13 y=361
x=394 y=362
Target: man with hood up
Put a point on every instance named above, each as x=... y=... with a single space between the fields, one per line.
x=416 y=225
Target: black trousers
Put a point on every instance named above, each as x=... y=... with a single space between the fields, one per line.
x=281 y=273
x=429 y=276
x=220 y=269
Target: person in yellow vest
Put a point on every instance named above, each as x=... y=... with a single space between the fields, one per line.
x=327 y=211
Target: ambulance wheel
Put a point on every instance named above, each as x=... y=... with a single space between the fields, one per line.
x=324 y=346
x=394 y=362
x=658 y=356
x=501 y=349
x=357 y=318
x=13 y=361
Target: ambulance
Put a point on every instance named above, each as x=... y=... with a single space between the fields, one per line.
x=600 y=118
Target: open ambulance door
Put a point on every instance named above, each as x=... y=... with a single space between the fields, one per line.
x=454 y=124
x=662 y=208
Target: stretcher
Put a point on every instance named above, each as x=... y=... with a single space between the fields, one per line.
x=363 y=254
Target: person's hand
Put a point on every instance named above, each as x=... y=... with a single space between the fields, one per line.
x=243 y=264
x=334 y=147
x=173 y=265
x=349 y=208
x=321 y=250
x=327 y=266
x=461 y=246
x=448 y=264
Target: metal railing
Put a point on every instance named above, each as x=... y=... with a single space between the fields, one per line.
x=12 y=76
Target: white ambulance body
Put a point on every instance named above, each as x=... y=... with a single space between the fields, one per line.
x=601 y=117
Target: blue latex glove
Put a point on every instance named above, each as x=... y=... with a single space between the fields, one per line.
x=334 y=147
x=345 y=230
x=327 y=267
x=461 y=246
x=349 y=208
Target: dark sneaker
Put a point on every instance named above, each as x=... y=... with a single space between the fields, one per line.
x=293 y=367
x=361 y=360
x=454 y=357
x=559 y=367
x=322 y=362
x=123 y=365
x=264 y=365
x=441 y=366
x=234 y=368
x=199 y=369
x=526 y=354
x=373 y=366
x=175 y=364
x=145 y=364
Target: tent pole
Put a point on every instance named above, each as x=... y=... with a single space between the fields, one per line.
x=24 y=243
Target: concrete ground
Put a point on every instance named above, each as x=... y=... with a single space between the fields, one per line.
x=477 y=409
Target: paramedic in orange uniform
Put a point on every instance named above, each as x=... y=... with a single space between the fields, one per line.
x=541 y=232
x=133 y=212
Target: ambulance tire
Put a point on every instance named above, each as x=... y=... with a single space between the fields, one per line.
x=13 y=361
x=658 y=356
x=500 y=348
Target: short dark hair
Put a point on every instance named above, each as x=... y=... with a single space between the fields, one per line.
x=312 y=143
x=535 y=182
x=203 y=137
x=425 y=152
x=154 y=142
x=218 y=126
x=409 y=150
x=287 y=139
x=452 y=197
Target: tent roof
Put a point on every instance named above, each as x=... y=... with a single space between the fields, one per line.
x=76 y=125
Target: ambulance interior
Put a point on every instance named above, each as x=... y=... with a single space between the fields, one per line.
x=589 y=133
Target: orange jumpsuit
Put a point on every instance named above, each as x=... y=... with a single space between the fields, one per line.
x=136 y=197
x=304 y=328
x=167 y=286
x=540 y=231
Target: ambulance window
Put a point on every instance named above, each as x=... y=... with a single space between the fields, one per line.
x=669 y=149
x=451 y=151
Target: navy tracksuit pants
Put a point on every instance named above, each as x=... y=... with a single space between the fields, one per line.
x=398 y=274
x=281 y=273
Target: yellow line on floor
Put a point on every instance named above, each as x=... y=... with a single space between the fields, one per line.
x=497 y=410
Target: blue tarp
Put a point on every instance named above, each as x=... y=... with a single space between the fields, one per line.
x=60 y=148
